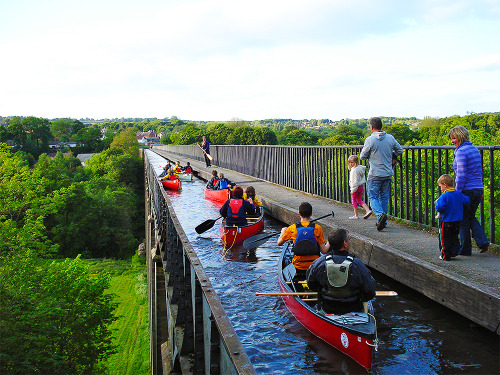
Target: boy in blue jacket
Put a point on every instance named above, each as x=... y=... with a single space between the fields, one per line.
x=450 y=206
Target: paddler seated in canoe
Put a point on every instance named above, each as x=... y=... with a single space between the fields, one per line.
x=213 y=181
x=170 y=175
x=187 y=168
x=177 y=167
x=165 y=170
x=342 y=281
x=308 y=241
x=236 y=209
x=223 y=183
x=250 y=196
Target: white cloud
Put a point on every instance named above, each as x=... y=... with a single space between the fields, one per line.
x=220 y=59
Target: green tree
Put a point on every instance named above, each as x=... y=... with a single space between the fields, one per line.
x=62 y=129
x=345 y=135
x=299 y=137
x=89 y=140
x=219 y=133
x=126 y=141
x=53 y=317
x=402 y=133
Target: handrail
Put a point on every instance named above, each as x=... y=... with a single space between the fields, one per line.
x=322 y=170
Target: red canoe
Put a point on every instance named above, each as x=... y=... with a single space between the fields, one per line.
x=354 y=334
x=234 y=235
x=172 y=184
x=217 y=195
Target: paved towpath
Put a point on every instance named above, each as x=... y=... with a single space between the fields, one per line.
x=467 y=285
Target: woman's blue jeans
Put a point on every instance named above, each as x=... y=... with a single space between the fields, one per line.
x=470 y=223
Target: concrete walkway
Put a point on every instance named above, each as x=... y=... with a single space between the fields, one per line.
x=468 y=285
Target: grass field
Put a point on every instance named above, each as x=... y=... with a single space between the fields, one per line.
x=131 y=330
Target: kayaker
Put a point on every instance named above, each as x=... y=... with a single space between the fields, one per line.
x=187 y=168
x=177 y=167
x=236 y=209
x=308 y=239
x=213 y=181
x=223 y=183
x=250 y=196
x=342 y=281
x=165 y=170
x=170 y=175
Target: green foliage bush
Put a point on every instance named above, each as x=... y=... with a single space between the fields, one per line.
x=54 y=317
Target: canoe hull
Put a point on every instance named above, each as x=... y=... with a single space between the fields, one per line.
x=171 y=184
x=235 y=235
x=356 y=341
x=186 y=177
x=217 y=195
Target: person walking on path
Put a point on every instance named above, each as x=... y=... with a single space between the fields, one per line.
x=205 y=145
x=468 y=180
x=379 y=149
x=451 y=206
x=356 y=180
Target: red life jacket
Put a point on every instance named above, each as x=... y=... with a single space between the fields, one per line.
x=215 y=181
x=188 y=170
x=236 y=209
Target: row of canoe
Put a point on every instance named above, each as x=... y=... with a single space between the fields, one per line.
x=353 y=334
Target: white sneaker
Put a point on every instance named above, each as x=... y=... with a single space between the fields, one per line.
x=367 y=215
x=353 y=217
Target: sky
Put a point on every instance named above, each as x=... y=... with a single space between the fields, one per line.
x=219 y=60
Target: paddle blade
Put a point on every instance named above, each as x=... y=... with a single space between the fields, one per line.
x=206 y=225
x=257 y=240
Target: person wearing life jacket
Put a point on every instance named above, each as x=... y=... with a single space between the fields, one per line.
x=187 y=168
x=170 y=175
x=250 y=196
x=213 y=181
x=308 y=240
x=177 y=167
x=342 y=281
x=236 y=209
x=223 y=183
x=164 y=172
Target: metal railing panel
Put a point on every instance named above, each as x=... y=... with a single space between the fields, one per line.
x=414 y=186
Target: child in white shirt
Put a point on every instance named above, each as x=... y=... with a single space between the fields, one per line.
x=356 y=180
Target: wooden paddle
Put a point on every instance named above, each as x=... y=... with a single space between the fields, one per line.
x=206 y=225
x=208 y=155
x=378 y=293
x=260 y=239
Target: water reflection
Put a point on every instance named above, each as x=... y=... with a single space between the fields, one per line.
x=416 y=335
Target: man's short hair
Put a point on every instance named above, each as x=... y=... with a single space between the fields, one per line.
x=446 y=179
x=305 y=209
x=376 y=123
x=337 y=238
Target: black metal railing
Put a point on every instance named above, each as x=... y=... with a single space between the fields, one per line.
x=322 y=170
x=188 y=325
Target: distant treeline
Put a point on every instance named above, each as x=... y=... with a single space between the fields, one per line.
x=32 y=134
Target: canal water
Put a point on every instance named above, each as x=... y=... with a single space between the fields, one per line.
x=416 y=335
